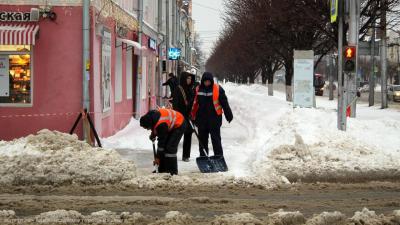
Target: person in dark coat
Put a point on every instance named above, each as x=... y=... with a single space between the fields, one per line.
x=209 y=104
x=183 y=102
x=172 y=82
x=168 y=126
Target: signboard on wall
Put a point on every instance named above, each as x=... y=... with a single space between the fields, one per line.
x=174 y=54
x=4 y=76
x=303 y=79
x=106 y=70
x=33 y=15
x=152 y=44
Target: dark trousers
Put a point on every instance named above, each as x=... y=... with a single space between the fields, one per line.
x=187 y=141
x=215 y=133
x=168 y=160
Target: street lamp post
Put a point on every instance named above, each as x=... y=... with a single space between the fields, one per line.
x=398 y=62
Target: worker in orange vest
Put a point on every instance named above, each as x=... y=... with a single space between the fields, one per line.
x=168 y=126
x=210 y=102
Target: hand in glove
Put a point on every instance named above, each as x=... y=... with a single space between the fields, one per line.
x=156 y=161
x=229 y=118
x=152 y=137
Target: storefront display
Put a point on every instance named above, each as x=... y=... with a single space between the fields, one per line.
x=15 y=78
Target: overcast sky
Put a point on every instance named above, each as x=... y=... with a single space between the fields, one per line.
x=208 y=21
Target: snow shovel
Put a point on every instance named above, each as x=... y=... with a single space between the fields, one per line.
x=155 y=156
x=206 y=164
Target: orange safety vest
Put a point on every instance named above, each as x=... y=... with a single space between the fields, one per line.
x=171 y=117
x=215 y=97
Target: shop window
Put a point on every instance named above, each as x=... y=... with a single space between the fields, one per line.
x=15 y=75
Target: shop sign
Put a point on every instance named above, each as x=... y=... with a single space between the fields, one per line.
x=15 y=16
x=152 y=44
x=4 y=76
x=174 y=53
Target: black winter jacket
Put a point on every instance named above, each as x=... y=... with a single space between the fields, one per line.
x=206 y=114
x=178 y=103
x=172 y=83
x=161 y=130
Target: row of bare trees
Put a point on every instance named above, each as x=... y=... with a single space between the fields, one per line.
x=260 y=35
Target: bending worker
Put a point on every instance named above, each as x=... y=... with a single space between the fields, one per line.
x=168 y=126
x=210 y=102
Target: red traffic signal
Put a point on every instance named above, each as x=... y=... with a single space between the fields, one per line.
x=350 y=52
x=350 y=59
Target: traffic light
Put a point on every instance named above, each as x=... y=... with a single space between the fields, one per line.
x=350 y=59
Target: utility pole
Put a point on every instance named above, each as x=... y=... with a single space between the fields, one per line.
x=351 y=77
x=383 y=55
x=160 y=45
x=331 y=76
x=372 y=73
x=167 y=37
x=86 y=63
x=341 y=100
x=139 y=65
x=398 y=62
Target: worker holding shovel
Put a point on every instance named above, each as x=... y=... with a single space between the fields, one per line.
x=210 y=103
x=168 y=126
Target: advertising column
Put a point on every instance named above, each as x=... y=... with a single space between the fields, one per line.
x=303 y=88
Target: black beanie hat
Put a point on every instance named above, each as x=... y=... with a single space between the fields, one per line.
x=146 y=121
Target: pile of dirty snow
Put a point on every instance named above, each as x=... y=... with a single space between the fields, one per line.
x=236 y=219
x=363 y=217
x=328 y=218
x=55 y=158
x=282 y=217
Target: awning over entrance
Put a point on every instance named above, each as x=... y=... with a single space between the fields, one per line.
x=18 y=34
x=136 y=46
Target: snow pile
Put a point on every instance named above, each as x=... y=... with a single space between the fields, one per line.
x=364 y=217
x=59 y=216
x=175 y=218
x=7 y=214
x=54 y=158
x=304 y=144
x=286 y=218
x=396 y=216
x=367 y=217
x=236 y=219
x=328 y=218
x=166 y=181
x=100 y=217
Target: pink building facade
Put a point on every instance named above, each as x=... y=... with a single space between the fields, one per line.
x=44 y=85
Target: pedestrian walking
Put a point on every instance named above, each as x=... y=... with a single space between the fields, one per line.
x=210 y=102
x=183 y=102
x=172 y=83
x=168 y=126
